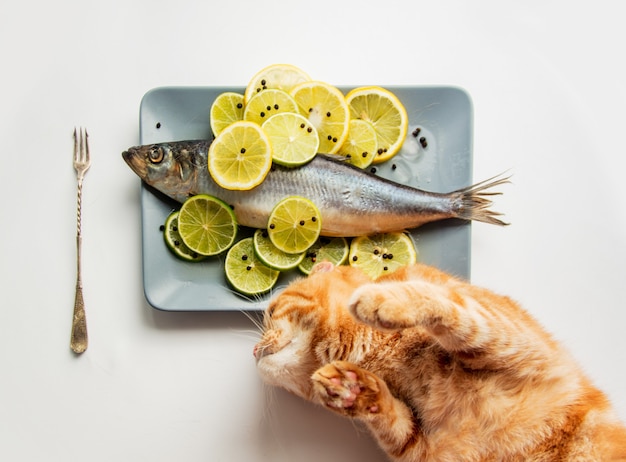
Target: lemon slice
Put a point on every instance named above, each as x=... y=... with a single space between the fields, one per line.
x=280 y=76
x=206 y=224
x=332 y=249
x=174 y=241
x=272 y=256
x=294 y=224
x=226 y=109
x=381 y=254
x=240 y=157
x=326 y=108
x=293 y=138
x=388 y=115
x=245 y=272
x=361 y=143
x=264 y=105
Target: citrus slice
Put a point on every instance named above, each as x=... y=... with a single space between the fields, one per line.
x=264 y=105
x=380 y=254
x=386 y=112
x=226 y=109
x=361 y=143
x=174 y=241
x=294 y=224
x=245 y=272
x=240 y=157
x=206 y=224
x=332 y=249
x=272 y=256
x=326 y=108
x=293 y=138
x=280 y=76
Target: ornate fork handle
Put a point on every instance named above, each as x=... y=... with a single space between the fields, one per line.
x=79 y=340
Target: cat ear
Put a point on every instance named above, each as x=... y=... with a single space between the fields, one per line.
x=323 y=267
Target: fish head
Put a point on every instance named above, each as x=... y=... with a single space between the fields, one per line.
x=169 y=168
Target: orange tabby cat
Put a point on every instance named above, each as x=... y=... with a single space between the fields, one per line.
x=438 y=369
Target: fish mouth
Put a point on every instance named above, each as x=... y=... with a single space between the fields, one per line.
x=134 y=161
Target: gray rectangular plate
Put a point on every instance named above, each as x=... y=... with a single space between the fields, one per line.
x=444 y=116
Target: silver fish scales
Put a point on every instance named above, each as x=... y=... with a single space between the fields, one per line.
x=352 y=201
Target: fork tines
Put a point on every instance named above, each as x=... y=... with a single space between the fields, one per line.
x=81 y=151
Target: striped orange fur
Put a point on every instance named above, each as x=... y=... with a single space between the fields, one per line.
x=438 y=369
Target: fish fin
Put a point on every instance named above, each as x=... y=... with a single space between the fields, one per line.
x=336 y=157
x=474 y=201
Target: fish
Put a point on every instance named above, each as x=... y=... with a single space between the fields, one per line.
x=352 y=202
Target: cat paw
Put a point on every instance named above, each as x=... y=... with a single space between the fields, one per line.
x=347 y=389
x=380 y=306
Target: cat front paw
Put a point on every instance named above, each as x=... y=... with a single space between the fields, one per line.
x=381 y=306
x=348 y=389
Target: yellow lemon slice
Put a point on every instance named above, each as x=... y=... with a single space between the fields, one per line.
x=264 y=105
x=245 y=272
x=240 y=157
x=380 y=254
x=361 y=143
x=386 y=113
x=325 y=107
x=293 y=138
x=206 y=224
x=279 y=76
x=226 y=109
x=294 y=224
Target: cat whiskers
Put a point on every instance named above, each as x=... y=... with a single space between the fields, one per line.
x=252 y=299
x=256 y=318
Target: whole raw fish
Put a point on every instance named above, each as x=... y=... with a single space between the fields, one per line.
x=352 y=202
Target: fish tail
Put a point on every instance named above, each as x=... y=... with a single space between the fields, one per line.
x=474 y=201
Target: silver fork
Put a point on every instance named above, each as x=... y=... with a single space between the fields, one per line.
x=78 y=342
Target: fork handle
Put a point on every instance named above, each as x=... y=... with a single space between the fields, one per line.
x=78 y=340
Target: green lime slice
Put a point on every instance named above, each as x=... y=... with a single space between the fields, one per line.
x=175 y=243
x=381 y=254
x=272 y=256
x=207 y=225
x=294 y=224
x=245 y=272
x=332 y=249
x=293 y=138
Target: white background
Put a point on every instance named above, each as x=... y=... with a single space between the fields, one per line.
x=548 y=84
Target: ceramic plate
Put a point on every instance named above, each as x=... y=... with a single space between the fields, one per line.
x=443 y=116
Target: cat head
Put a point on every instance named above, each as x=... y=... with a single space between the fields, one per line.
x=306 y=325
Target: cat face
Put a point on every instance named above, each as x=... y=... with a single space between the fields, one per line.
x=302 y=327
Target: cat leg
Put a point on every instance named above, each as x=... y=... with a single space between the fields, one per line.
x=398 y=305
x=354 y=392
x=462 y=318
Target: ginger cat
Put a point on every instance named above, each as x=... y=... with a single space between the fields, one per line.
x=437 y=369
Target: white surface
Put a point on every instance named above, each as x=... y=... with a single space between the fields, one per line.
x=548 y=82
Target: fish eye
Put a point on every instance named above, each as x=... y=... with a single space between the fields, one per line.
x=155 y=155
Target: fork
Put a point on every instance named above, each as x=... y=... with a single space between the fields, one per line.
x=78 y=342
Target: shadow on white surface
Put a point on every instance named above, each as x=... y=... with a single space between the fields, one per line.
x=243 y=416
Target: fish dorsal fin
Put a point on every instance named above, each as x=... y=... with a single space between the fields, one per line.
x=335 y=157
